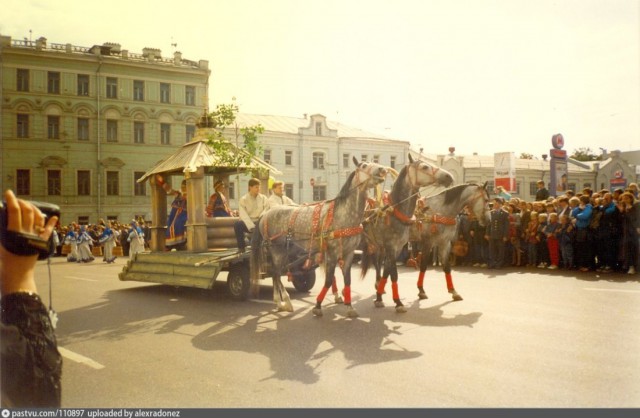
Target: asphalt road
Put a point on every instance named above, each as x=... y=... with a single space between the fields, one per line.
x=518 y=339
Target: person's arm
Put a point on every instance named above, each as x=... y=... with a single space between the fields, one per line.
x=31 y=364
x=244 y=214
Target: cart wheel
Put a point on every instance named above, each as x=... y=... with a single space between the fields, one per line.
x=238 y=281
x=303 y=281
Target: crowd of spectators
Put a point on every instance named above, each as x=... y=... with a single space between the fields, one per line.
x=587 y=231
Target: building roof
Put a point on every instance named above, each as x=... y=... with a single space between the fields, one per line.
x=292 y=125
x=487 y=161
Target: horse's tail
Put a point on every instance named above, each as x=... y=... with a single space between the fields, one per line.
x=366 y=258
x=256 y=254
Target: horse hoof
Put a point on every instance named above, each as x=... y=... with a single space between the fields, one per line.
x=352 y=313
x=379 y=304
x=317 y=311
x=401 y=309
x=422 y=295
x=455 y=295
x=338 y=299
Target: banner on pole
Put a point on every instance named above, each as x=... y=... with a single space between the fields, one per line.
x=504 y=170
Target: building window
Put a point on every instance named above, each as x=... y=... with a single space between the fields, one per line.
x=190 y=96
x=138 y=132
x=392 y=161
x=138 y=90
x=23 y=125
x=23 y=182
x=288 y=190
x=288 y=158
x=533 y=188
x=53 y=82
x=83 y=220
x=22 y=78
x=54 y=183
x=318 y=160
x=572 y=187
x=345 y=160
x=191 y=132
x=267 y=156
x=139 y=189
x=83 y=178
x=113 y=183
x=363 y=158
x=83 y=129
x=165 y=92
x=112 y=87
x=165 y=133
x=318 y=128
x=376 y=158
x=83 y=85
x=319 y=193
x=112 y=130
x=53 y=127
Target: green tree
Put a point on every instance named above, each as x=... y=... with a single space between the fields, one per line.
x=526 y=156
x=584 y=154
x=243 y=145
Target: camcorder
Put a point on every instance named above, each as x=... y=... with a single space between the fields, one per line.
x=27 y=244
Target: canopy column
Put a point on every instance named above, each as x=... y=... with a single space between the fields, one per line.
x=159 y=216
x=196 y=225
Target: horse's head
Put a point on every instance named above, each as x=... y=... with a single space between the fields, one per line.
x=368 y=175
x=422 y=174
x=479 y=203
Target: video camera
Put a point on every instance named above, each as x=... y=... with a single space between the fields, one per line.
x=27 y=244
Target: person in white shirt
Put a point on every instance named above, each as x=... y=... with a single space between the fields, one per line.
x=250 y=208
x=278 y=198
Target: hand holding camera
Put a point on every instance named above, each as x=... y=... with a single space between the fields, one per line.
x=23 y=231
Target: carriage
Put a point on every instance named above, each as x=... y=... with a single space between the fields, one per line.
x=211 y=247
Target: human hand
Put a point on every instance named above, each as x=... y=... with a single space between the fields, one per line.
x=18 y=270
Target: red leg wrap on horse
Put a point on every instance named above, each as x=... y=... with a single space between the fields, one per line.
x=334 y=286
x=347 y=295
x=381 y=285
x=449 y=281
x=421 y=278
x=394 y=288
x=322 y=294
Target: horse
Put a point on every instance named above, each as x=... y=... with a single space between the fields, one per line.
x=302 y=237
x=438 y=223
x=387 y=230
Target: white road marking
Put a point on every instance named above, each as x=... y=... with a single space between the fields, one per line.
x=611 y=290
x=80 y=278
x=79 y=358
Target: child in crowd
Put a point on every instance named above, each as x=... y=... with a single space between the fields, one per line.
x=550 y=232
x=543 y=252
x=566 y=234
x=532 y=240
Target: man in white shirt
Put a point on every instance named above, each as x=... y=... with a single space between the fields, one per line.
x=251 y=207
x=278 y=198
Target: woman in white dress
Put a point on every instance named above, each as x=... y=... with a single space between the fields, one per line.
x=108 y=240
x=84 y=246
x=71 y=239
x=136 y=238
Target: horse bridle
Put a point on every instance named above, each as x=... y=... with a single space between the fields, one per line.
x=413 y=180
x=368 y=171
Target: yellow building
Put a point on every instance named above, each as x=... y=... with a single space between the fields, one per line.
x=79 y=125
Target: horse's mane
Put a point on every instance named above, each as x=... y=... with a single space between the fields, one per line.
x=400 y=180
x=452 y=194
x=346 y=188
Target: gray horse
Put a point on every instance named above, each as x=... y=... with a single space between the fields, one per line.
x=438 y=224
x=388 y=231
x=300 y=238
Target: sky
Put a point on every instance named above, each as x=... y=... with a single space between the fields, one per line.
x=482 y=76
